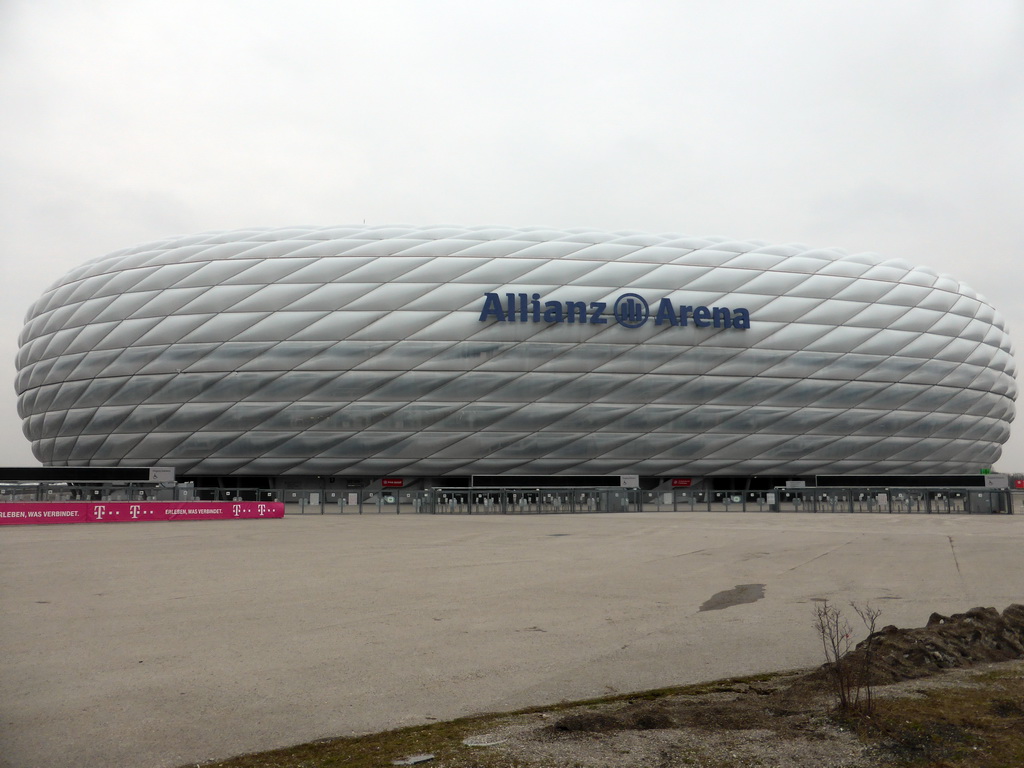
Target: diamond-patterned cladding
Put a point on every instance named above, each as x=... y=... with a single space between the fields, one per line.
x=359 y=350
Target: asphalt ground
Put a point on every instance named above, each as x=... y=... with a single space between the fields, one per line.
x=160 y=644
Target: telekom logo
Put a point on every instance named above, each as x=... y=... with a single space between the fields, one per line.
x=136 y=509
x=100 y=510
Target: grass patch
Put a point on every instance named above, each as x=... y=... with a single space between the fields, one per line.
x=955 y=727
x=445 y=739
x=975 y=722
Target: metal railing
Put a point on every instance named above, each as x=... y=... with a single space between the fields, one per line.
x=525 y=501
x=533 y=501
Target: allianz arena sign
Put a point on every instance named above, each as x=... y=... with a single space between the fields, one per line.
x=629 y=310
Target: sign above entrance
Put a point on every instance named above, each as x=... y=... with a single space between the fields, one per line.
x=630 y=310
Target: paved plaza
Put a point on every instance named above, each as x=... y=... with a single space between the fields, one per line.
x=158 y=644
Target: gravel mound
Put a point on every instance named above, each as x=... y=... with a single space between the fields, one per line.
x=979 y=636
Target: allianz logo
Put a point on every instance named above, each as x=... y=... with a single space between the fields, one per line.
x=629 y=310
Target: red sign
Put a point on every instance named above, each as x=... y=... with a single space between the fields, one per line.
x=682 y=482
x=36 y=513
x=1018 y=483
x=392 y=482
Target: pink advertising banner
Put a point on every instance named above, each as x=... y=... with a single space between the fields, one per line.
x=37 y=513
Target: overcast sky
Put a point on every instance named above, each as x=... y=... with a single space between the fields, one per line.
x=891 y=127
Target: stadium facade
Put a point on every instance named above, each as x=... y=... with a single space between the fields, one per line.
x=440 y=354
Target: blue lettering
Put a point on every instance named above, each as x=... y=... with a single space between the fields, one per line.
x=492 y=306
x=553 y=312
x=577 y=311
x=522 y=307
x=666 y=313
x=741 y=318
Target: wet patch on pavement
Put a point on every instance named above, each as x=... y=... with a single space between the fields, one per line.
x=738 y=595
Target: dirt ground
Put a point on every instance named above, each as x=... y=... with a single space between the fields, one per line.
x=782 y=721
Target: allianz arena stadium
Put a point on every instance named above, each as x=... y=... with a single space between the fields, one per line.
x=440 y=353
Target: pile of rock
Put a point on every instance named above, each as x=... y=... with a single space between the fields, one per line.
x=978 y=636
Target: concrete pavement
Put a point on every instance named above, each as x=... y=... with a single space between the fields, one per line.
x=159 y=644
